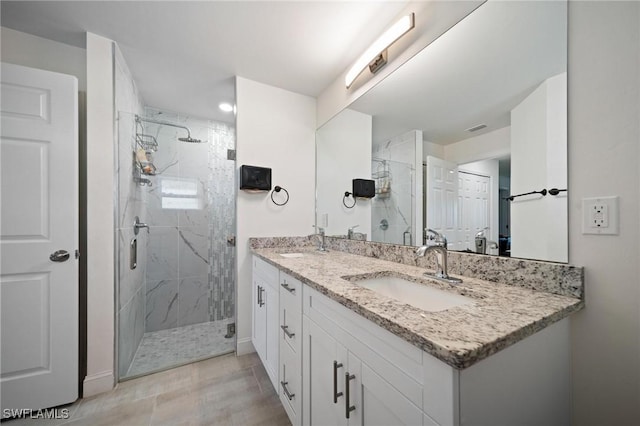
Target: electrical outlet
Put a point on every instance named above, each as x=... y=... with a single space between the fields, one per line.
x=600 y=215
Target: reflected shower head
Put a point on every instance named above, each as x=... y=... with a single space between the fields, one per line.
x=189 y=139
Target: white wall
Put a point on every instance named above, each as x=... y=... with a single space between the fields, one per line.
x=100 y=216
x=538 y=158
x=37 y=52
x=493 y=144
x=432 y=149
x=343 y=150
x=604 y=158
x=275 y=128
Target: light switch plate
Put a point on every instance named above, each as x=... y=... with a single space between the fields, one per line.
x=600 y=215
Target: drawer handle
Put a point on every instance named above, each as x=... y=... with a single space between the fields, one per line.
x=286 y=391
x=285 y=328
x=286 y=287
x=336 y=394
x=348 y=407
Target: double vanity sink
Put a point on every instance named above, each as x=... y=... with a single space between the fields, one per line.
x=432 y=351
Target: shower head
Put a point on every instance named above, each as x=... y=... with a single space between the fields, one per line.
x=189 y=139
x=167 y=123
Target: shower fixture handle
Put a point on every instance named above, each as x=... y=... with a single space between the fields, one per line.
x=137 y=225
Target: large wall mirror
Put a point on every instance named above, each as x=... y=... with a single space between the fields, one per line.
x=478 y=116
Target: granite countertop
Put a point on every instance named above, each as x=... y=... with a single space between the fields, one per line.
x=499 y=316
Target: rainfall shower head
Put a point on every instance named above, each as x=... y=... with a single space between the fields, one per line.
x=189 y=139
x=167 y=123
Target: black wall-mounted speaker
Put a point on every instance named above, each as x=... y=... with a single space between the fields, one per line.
x=364 y=188
x=255 y=178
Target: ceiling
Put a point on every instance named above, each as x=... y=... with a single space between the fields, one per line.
x=475 y=73
x=184 y=54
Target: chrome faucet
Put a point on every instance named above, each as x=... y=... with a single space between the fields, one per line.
x=439 y=246
x=350 y=231
x=321 y=246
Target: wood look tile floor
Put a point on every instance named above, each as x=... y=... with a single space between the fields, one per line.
x=226 y=390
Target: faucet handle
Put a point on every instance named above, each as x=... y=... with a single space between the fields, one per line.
x=351 y=228
x=480 y=233
x=438 y=238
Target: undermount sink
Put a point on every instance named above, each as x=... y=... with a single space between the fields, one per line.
x=291 y=255
x=421 y=296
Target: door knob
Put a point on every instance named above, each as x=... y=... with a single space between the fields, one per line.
x=59 y=256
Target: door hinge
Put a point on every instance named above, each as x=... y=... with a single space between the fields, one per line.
x=77 y=254
x=231 y=154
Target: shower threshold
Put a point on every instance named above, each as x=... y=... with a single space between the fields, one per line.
x=166 y=349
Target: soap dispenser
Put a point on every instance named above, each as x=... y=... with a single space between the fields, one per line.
x=481 y=242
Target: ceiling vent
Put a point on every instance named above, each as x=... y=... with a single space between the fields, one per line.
x=476 y=128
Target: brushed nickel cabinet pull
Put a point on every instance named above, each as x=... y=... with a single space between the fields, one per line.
x=348 y=407
x=285 y=328
x=285 y=285
x=336 y=394
x=286 y=391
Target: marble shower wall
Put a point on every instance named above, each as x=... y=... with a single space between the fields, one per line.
x=190 y=211
x=130 y=203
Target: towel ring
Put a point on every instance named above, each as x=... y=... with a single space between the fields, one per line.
x=344 y=199
x=278 y=189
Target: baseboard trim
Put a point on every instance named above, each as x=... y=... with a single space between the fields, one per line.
x=244 y=346
x=98 y=383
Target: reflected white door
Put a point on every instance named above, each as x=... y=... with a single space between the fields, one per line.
x=39 y=208
x=442 y=199
x=474 y=208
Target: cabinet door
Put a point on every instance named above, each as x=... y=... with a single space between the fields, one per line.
x=259 y=319
x=383 y=405
x=325 y=364
x=273 y=332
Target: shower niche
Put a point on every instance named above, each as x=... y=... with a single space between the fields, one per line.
x=177 y=305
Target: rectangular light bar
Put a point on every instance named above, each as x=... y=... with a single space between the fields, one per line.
x=396 y=31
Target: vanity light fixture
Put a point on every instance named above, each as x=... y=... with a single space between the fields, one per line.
x=376 y=55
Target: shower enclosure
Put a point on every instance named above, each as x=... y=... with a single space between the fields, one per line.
x=176 y=275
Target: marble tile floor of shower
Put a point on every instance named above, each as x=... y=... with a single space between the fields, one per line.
x=159 y=350
x=220 y=391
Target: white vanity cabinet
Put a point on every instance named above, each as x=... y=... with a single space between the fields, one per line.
x=264 y=334
x=335 y=367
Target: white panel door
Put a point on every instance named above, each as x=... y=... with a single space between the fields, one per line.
x=39 y=216
x=442 y=199
x=474 y=208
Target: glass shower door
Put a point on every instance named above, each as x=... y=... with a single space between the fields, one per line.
x=188 y=203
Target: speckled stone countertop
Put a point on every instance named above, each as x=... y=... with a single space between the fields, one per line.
x=499 y=316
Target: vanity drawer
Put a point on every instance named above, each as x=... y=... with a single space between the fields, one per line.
x=290 y=292
x=289 y=386
x=265 y=270
x=291 y=328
